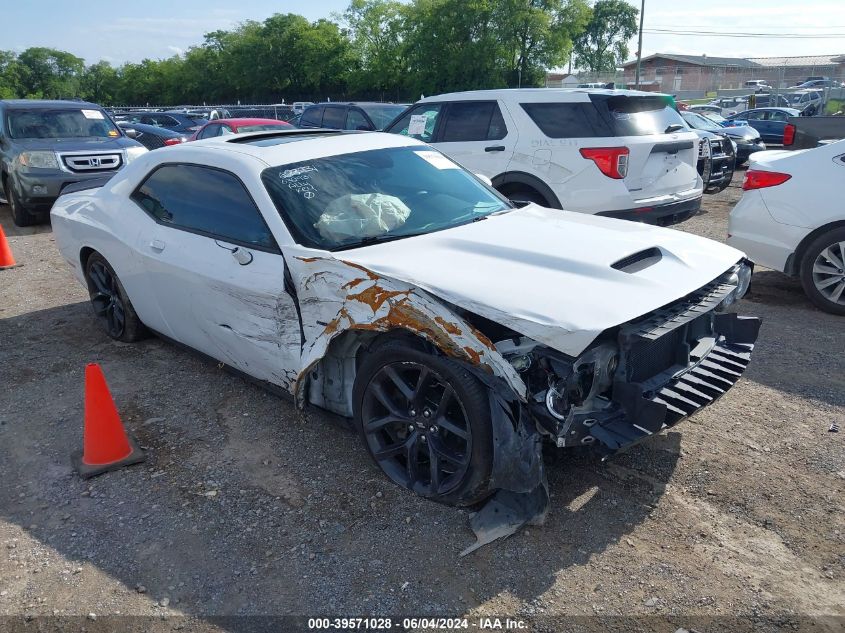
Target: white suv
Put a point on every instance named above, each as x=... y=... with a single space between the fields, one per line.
x=619 y=153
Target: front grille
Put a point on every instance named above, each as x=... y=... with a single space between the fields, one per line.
x=649 y=358
x=663 y=340
x=92 y=162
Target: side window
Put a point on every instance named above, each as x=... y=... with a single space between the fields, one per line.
x=498 y=129
x=750 y=115
x=566 y=120
x=467 y=121
x=312 y=117
x=208 y=131
x=473 y=121
x=355 y=120
x=334 y=117
x=421 y=128
x=204 y=200
x=776 y=115
x=225 y=130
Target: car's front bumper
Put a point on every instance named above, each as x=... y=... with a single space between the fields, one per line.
x=671 y=363
x=663 y=215
x=37 y=190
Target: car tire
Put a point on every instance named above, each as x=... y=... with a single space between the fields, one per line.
x=20 y=215
x=823 y=271
x=439 y=446
x=110 y=302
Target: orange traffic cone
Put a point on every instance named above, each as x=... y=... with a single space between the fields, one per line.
x=6 y=258
x=105 y=443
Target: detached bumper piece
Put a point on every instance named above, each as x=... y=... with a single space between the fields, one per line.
x=674 y=363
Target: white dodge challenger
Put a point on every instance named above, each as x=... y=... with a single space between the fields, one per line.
x=370 y=275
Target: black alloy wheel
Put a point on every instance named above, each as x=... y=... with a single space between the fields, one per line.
x=416 y=428
x=106 y=298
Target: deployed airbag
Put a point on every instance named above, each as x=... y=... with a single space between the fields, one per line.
x=361 y=215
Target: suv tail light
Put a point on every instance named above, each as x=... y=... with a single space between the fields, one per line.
x=789 y=134
x=612 y=161
x=756 y=179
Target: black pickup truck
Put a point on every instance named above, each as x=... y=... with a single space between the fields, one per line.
x=804 y=132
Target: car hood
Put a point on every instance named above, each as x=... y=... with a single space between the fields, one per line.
x=74 y=144
x=547 y=273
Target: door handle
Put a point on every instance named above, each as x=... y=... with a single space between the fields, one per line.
x=494 y=148
x=157 y=245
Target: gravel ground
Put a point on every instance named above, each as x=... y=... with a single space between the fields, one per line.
x=247 y=508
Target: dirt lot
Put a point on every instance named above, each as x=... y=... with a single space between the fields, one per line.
x=247 y=508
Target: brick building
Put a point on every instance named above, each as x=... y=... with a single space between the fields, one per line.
x=703 y=73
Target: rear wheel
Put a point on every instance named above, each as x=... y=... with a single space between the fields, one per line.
x=823 y=271
x=111 y=306
x=425 y=421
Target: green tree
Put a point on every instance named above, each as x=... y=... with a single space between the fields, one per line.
x=49 y=73
x=604 y=43
x=9 y=80
x=99 y=83
x=376 y=30
x=538 y=35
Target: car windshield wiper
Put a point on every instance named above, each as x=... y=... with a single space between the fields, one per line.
x=675 y=127
x=379 y=239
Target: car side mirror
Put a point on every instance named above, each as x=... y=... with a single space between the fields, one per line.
x=131 y=133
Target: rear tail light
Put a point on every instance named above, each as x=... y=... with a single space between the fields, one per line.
x=789 y=134
x=756 y=179
x=173 y=141
x=611 y=161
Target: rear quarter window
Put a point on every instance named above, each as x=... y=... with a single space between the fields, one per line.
x=567 y=120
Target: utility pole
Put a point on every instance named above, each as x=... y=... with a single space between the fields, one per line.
x=640 y=44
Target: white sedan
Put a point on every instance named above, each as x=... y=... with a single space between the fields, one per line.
x=791 y=218
x=370 y=275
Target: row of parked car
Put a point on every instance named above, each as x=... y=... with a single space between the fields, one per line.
x=615 y=153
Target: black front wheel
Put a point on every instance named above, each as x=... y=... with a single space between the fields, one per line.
x=425 y=420
x=111 y=305
x=21 y=216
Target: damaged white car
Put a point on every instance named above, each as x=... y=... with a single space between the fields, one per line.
x=370 y=275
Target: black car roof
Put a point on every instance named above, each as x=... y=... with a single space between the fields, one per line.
x=44 y=104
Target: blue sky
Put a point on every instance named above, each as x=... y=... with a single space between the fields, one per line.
x=130 y=31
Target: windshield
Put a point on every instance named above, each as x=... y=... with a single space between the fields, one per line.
x=63 y=123
x=382 y=114
x=378 y=195
x=698 y=122
x=718 y=118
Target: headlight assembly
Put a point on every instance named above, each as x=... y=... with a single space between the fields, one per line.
x=741 y=277
x=134 y=152
x=39 y=160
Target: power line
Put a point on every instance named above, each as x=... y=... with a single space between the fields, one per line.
x=797 y=36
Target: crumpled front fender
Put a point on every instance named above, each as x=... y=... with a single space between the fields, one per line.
x=335 y=296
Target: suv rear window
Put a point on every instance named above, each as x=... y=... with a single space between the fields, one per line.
x=638 y=115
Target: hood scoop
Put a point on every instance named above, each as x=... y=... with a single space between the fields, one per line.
x=638 y=261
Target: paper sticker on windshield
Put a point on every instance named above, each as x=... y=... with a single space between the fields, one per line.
x=417 y=125
x=437 y=159
x=92 y=114
x=297 y=171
